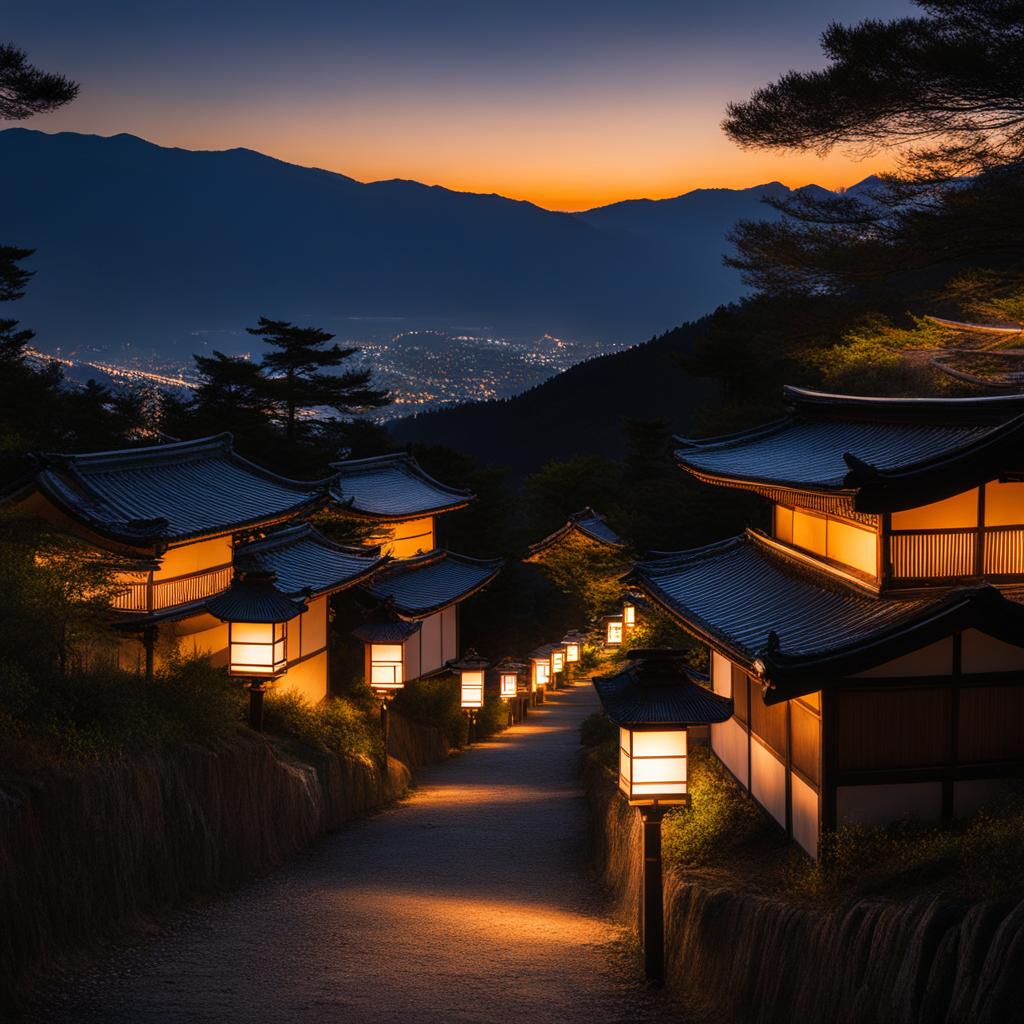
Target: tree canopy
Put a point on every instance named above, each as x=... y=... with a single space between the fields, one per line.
x=950 y=82
x=26 y=90
x=296 y=380
x=841 y=282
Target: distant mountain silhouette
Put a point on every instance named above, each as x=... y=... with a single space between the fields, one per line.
x=166 y=247
x=579 y=412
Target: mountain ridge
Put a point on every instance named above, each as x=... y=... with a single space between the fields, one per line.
x=178 y=250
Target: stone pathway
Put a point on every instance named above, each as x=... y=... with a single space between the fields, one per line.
x=469 y=901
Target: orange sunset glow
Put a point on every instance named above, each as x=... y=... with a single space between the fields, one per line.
x=537 y=104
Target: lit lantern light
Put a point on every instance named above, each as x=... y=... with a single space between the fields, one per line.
x=557 y=657
x=257 y=614
x=387 y=658
x=509 y=683
x=573 y=643
x=653 y=701
x=471 y=669
x=628 y=613
x=613 y=630
x=540 y=673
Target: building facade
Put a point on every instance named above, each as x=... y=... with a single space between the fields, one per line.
x=188 y=519
x=872 y=639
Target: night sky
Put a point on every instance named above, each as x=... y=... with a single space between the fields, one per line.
x=567 y=104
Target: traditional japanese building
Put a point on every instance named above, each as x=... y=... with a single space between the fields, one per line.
x=395 y=493
x=587 y=526
x=873 y=639
x=189 y=517
x=415 y=630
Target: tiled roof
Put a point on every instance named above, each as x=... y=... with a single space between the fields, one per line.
x=171 y=492
x=661 y=692
x=544 y=651
x=393 y=632
x=755 y=603
x=844 y=443
x=420 y=586
x=254 y=597
x=586 y=522
x=393 y=487
x=306 y=561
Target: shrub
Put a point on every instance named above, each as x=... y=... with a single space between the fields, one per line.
x=435 y=702
x=980 y=857
x=721 y=815
x=492 y=718
x=107 y=713
x=338 y=724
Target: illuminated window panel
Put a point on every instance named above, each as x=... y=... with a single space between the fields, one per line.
x=472 y=689
x=652 y=765
x=958 y=512
x=809 y=531
x=257 y=648
x=1004 y=504
x=853 y=546
x=386 y=667
x=784 y=524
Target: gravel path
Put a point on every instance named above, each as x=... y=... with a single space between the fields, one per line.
x=469 y=901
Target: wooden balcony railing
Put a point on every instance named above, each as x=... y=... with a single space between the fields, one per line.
x=930 y=554
x=144 y=595
x=952 y=553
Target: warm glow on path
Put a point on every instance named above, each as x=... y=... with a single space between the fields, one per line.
x=470 y=901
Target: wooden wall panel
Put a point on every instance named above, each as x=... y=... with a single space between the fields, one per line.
x=991 y=723
x=894 y=728
x=806 y=738
x=768 y=722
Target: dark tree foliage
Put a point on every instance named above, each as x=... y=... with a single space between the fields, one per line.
x=839 y=279
x=231 y=395
x=295 y=374
x=25 y=90
x=952 y=80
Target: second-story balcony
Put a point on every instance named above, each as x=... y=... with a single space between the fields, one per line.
x=954 y=553
x=143 y=594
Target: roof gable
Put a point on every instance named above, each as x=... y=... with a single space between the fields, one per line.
x=392 y=487
x=417 y=587
x=168 y=492
x=758 y=605
x=306 y=562
x=587 y=523
x=881 y=454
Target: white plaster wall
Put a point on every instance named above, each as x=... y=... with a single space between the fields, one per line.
x=880 y=805
x=450 y=633
x=983 y=653
x=768 y=781
x=970 y=795
x=934 y=660
x=430 y=643
x=308 y=679
x=806 y=814
x=721 y=674
x=314 y=626
x=729 y=742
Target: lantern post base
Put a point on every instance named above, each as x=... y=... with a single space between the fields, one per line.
x=384 y=725
x=653 y=896
x=256 y=692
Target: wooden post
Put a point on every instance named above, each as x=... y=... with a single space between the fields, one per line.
x=653 y=896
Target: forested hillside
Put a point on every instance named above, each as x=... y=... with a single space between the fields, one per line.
x=580 y=412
